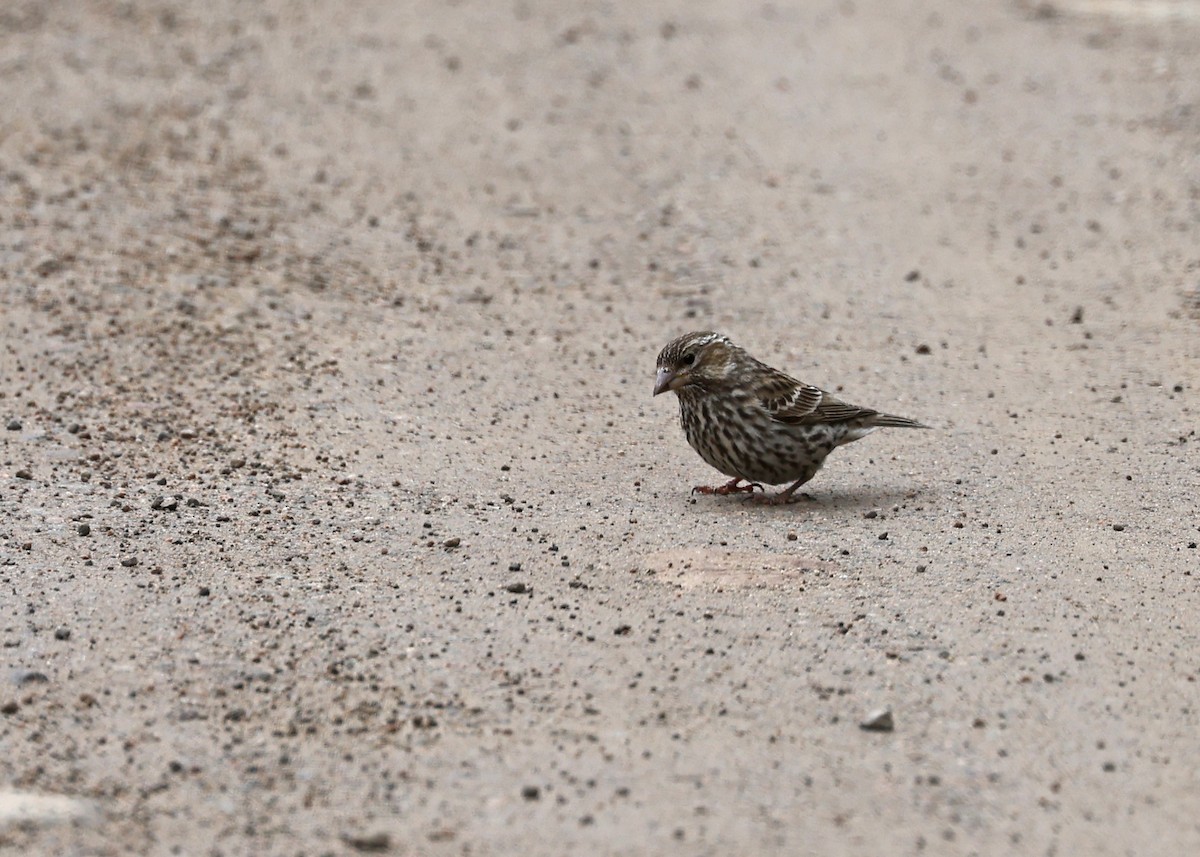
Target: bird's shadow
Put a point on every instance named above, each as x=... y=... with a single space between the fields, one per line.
x=825 y=501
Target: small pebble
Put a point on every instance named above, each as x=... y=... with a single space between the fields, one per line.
x=24 y=474
x=514 y=566
x=129 y=561
x=452 y=542
x=84 y=530
x=32 y=677
x=879 y=721
x=1118 y=527
x=517 y=588
x=531 y=792
x=378 y=841
x=62 y=634
x=791 y=536
x=13 y=425
x=9 y=707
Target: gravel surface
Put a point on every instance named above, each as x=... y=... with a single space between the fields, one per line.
x=336 y=516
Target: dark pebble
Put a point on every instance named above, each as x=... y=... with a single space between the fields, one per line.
x=204 y=591
x=531 y=792
x=32 y=677
x=9 y=707
x=1118 y=527
x=129 y=561
x=24 y=474
x=924 y=349
x=622 y=630
x=13 y=425
x=62 y=634
x=452 y=542
x=517 y=588
x=84 y=529
x=912 y=276
x=371 y=842
x=883 y=536
x=165 y=503
x=514 y=566
x=879 y=721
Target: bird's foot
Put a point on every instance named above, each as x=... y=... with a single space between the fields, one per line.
x=783 y=498
x=730 y=487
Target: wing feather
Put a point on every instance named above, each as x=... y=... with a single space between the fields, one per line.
x=794 y=402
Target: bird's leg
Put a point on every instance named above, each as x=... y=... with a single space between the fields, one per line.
x=786 y=496
x=730 y=487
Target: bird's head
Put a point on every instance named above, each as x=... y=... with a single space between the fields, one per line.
x=701 y=359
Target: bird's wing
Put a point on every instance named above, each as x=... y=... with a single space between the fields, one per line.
x=797 y=403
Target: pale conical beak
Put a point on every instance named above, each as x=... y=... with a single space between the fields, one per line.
x=662 y=382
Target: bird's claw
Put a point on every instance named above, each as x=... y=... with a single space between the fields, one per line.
x=731 y=487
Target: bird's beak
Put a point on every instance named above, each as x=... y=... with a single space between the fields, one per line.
x=665 y=380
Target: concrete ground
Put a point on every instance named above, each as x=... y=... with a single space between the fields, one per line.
x=336 y=515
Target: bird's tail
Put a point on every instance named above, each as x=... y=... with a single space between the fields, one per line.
x=893 y=421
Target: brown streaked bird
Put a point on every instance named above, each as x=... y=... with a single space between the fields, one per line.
x=754 y=423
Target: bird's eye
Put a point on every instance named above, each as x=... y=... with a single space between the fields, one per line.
x=688 y=359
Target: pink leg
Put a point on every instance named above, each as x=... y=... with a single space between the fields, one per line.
x=787 y=495
x=730 y=487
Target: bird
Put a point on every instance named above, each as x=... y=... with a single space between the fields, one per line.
x=754 y=423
